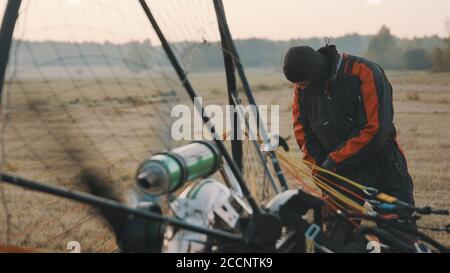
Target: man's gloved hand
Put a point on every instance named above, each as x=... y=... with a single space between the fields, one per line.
x=329 y=164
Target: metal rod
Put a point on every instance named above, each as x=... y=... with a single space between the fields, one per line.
x=236 y=143
x=220 y=11
x=255 y=143
x=6 y=32
x=233 y=98
x=113 y=205
x=184 y=80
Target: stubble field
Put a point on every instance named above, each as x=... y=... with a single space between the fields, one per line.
x=49 y=135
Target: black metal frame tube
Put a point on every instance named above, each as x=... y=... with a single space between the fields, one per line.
x=231 y=50
x=391 y=224
x=233 y=97
x=6 y=32
x=116 y=206
x=258 y=151
x=236 y=144
x=187 y=85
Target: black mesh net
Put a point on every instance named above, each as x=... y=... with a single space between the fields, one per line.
x=88 y=85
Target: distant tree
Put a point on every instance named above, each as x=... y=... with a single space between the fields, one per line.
x=440 y=57
x=417 y=59
x=352 y=43
x=137 y=56
x=383 y=49
x=426 y=43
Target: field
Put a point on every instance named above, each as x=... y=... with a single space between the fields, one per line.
x=50 y=135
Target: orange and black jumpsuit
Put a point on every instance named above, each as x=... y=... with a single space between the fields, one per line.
x=350 y=121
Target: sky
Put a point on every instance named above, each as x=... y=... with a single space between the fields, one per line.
x=123 y=20
x=285 y=19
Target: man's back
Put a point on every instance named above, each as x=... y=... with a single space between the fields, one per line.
x=354 y=105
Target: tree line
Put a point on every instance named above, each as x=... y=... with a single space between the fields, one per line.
x=424 y=53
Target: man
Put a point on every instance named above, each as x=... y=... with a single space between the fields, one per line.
x=343 y=118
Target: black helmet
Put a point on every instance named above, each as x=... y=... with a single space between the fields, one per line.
x=303 y=63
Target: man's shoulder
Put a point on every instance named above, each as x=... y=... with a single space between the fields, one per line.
x=362 y=60
x=353 y=59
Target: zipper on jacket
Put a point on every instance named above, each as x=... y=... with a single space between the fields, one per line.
x=327 y=93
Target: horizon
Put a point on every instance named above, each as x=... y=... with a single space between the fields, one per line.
x=240 y=39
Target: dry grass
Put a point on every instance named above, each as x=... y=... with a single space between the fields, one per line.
x=114 y=131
